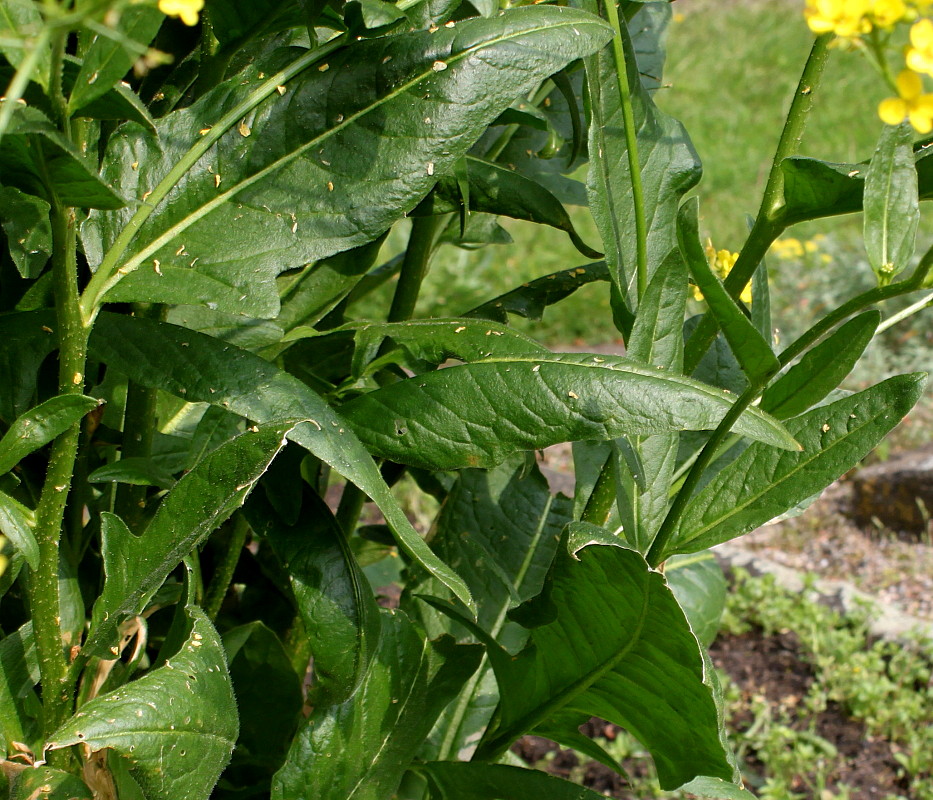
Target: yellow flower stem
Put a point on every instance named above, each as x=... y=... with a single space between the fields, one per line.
x=769 y=223
x=631 y=142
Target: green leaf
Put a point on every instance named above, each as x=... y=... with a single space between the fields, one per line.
x=246 y=222
x=49 y=784
x=716 y=789
x=335 y=601
x=892 y=205
x=19 y=672
x=21 y=20
x=763 y=483
x=234 y=22
x=17 y=523
x=656 y=340
x=432 y=340
x=109 y=58
x=319 y=287
x=821 y=369
x=700 y=587
x=448 y=420
x=133 y=471
x=25 y=221
x=530 y=299
x=206 y=496
x=268 y=693
x=500 y=530
x=669 y=165
x=610 y=640
x=41 y=425
x=751 y=349
x=33 y=149
x=360 y=750
x=202 y=369
x=176 y=725
x=496 y=189
x=451 y=780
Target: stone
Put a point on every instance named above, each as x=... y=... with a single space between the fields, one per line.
x=898 y=493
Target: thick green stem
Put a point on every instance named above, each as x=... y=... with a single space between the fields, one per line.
x=43 y=584
x=217 y=590
x=631 y=144
x=603 y=496
x=769 y=223
x=414 y=267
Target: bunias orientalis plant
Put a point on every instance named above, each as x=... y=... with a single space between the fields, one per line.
x=193 y=207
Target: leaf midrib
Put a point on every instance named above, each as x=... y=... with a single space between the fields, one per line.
x=134 y=261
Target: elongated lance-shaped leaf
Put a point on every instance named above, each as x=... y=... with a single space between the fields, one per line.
x=206 y=496
x=815 y=189
x=19 y=672
x=38 y=426
x=36 y=158
x=763 y=483
x=360 y=749
x=453 y=780
x=25 y=221
x=20 y=21
x=17 y=523
x=668 y=164
x=699 y=585
x=499 y=529
x=176 y=726
x=335 y=601
x=608 y=639
x=892 y=205
x=530 y=299
x=27 y=339
x=295 y=189
x=475 y=415
x=200 y=368
x=750 y=348
x=496 y=189
x=431 y=340
x=821 y=369
x=109 y=58
x=656 y=340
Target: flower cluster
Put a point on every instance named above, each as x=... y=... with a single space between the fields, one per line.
x=867 y=24
x=187 y=10
x=721 y=263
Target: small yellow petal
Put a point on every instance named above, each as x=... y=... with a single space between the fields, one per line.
x=892 y=111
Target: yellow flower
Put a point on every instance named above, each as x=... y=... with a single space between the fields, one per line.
x=887 y=13
x=721 y=263
x=186 y=9
x=911 y=104
x=920 y=53
x=848 y=19
x=3 y=559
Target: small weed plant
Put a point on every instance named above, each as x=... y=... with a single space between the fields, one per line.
x=194 y=359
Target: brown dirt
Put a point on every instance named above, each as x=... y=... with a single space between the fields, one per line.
x=768 y=667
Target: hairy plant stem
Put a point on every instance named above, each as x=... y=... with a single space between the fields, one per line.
x=217 y=589
x=631 y=145
x=769 y=223
x=603 y=496
x=43 y=585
